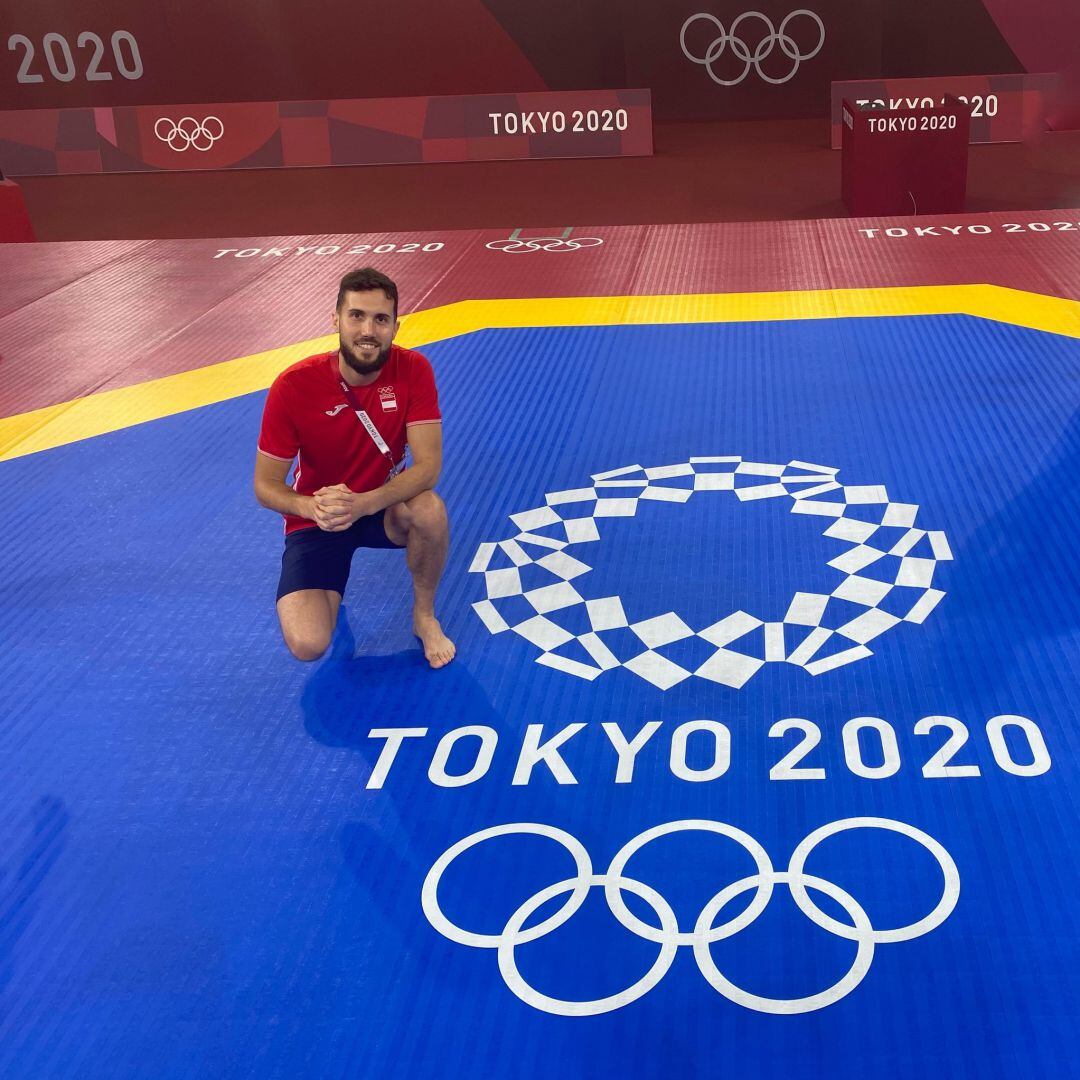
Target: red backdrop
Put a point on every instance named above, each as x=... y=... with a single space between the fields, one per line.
x=258 y=50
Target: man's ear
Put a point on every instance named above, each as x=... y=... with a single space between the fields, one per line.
x=335 y=321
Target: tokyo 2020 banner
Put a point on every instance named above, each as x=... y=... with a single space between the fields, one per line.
x=701 y=58
x=1004 y=108
x=370 y=131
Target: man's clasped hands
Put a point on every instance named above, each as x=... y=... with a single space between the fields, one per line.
x=335 y=508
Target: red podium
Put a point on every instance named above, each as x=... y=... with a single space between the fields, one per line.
x=15 y=225
x=904 y=161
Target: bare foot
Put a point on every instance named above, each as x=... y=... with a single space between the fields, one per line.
x=438 y=648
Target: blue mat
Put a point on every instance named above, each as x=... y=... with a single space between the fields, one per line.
x=212 y=868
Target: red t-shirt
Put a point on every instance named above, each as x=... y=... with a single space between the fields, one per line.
x=307 y=415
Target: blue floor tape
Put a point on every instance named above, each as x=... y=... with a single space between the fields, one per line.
x=211 y=866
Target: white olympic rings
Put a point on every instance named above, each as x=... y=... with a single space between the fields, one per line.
x=668 y=934
x=191 y=134
x=741 y=50
x=513 y=246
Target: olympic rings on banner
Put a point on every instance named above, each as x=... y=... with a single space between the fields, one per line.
x=189 y=133
x=741 y=50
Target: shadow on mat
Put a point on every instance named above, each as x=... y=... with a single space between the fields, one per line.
x=22 y=877
x=346 y=697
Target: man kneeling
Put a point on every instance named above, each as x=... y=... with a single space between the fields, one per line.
x=348 y=416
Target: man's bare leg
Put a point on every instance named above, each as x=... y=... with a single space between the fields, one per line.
x=308 y=618
x=421 y=525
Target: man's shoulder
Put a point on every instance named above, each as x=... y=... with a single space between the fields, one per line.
x=409 y=360
x=303 y=372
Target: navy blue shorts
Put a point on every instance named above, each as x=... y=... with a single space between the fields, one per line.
x=314 y=559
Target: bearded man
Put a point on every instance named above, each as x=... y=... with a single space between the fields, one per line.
x=346 y=418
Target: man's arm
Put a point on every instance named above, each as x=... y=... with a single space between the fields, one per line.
x=272 y=491
x=425 y=443
x=342 y=506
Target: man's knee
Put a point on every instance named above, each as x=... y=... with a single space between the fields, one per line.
x=425 y=512
x=307 y=620
x=307 y=647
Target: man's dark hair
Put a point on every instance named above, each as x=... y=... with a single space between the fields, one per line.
x=364 y=281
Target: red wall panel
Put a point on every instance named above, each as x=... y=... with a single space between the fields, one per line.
x=262 y=50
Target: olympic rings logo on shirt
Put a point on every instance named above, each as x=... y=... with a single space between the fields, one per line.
x=741 y=50
x=669 y=935
x=187 y=133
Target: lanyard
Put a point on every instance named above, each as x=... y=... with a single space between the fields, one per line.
x=369 y=426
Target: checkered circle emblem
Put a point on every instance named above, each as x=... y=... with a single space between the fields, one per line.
x=815 y=634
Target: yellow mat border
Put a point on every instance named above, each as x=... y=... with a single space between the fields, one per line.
x=112 y=410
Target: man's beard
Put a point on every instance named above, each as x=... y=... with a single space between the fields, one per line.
x=364 y=367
